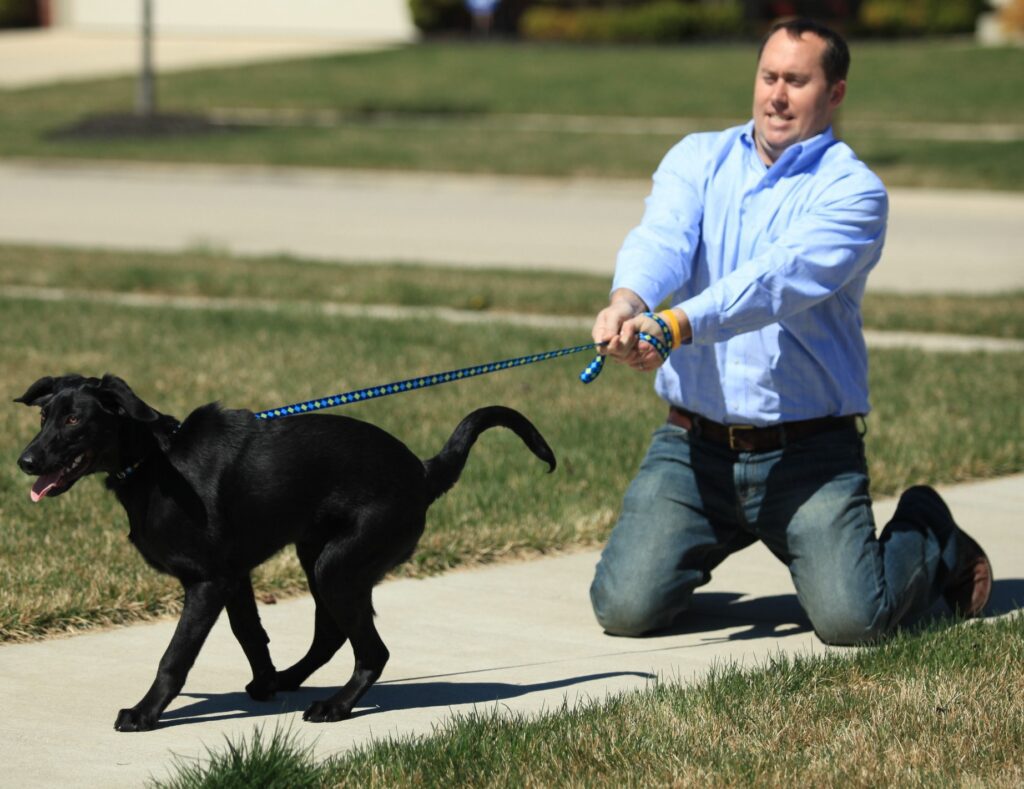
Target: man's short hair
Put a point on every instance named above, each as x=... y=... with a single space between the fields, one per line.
x=835 y=60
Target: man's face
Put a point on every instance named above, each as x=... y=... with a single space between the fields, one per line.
x=792 y=98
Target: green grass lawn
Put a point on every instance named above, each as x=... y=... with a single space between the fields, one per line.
x=934 y=708
x=467 y=86
x=211 y=275
x=65 y=564
x=937 y=708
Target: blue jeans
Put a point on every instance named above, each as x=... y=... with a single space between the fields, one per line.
x=693 y=503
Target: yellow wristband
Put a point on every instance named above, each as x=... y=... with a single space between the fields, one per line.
x=673 y=323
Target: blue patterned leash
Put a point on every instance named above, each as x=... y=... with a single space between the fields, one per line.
x=410 y=384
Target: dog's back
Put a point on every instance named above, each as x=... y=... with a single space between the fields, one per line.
x=305 y=479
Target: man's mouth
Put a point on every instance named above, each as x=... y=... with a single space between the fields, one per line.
x=58 y=481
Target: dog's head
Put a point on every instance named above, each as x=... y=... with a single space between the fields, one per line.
x=81 y=431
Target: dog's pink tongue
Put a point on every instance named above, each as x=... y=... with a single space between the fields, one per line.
x=44 y=485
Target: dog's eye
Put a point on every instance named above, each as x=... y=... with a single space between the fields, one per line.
x=71 y=420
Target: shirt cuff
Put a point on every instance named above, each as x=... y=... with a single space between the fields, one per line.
x=701 y=312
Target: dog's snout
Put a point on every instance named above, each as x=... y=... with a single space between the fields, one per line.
x=29 y=463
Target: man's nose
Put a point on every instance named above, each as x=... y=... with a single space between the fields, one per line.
x=29 y=463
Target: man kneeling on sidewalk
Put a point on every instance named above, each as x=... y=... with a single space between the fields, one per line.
x=762 y=237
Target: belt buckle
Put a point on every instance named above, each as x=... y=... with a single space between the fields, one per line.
x=733 y=429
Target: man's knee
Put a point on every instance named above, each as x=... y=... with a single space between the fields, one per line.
x=855 y=625
x=632 y=614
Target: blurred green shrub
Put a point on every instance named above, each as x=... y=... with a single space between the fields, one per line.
x=19 y=13
x=433 y=16
x=662 y=21
x=440 y=17
x=917 y=17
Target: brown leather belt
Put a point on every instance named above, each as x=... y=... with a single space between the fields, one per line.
x=747 y=438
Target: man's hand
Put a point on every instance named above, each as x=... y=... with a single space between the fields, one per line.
x=619 y=325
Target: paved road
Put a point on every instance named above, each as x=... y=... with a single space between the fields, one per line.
x=511 y=638
x=938 y=241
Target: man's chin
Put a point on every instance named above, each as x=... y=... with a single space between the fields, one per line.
x=772 y=146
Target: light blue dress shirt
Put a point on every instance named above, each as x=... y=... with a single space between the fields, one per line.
x=770 y=265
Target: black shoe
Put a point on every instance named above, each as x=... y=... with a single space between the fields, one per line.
x=970 y=583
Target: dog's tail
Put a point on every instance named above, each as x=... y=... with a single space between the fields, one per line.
x=443 y=470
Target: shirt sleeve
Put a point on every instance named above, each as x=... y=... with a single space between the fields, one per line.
x=656 y=257
x=816 y=256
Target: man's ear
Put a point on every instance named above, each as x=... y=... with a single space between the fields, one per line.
x=837 y=93
x=43 y=390
x=116 y=397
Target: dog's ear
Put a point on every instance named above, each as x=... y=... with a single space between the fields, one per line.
x=116 y=397
x=43 y=390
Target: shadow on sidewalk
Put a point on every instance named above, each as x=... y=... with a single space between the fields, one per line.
x=1007 y=596
x=712 y=612
x=764 y=617
x=380 y=698
x=782 y=615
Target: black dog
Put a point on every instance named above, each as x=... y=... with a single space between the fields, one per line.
x=211 y=499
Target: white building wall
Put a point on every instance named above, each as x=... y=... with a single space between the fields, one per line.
x=381 y=19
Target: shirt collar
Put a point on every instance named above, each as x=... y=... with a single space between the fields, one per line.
x=797 y=156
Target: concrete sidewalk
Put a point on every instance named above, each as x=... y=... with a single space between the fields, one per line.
x=938 y=241
x=516 y=638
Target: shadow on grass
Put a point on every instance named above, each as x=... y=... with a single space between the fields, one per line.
x=382 y=697
x=125 y=125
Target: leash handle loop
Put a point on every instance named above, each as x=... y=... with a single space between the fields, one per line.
x=663 y=347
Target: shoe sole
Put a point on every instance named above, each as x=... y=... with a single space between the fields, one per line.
x=981 y=573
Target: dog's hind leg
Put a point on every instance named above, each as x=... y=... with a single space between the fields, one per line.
x=345 y=574
x=203 y=603
x=354 y=612
x=246 y=625
x=379 y=539
x=327 y=638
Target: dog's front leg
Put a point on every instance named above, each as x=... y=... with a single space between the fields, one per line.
x=246 y=625
x=203 y=603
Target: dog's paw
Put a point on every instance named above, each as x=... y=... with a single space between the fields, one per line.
x=325 y=712
x=262 y=688
x=133 y=720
